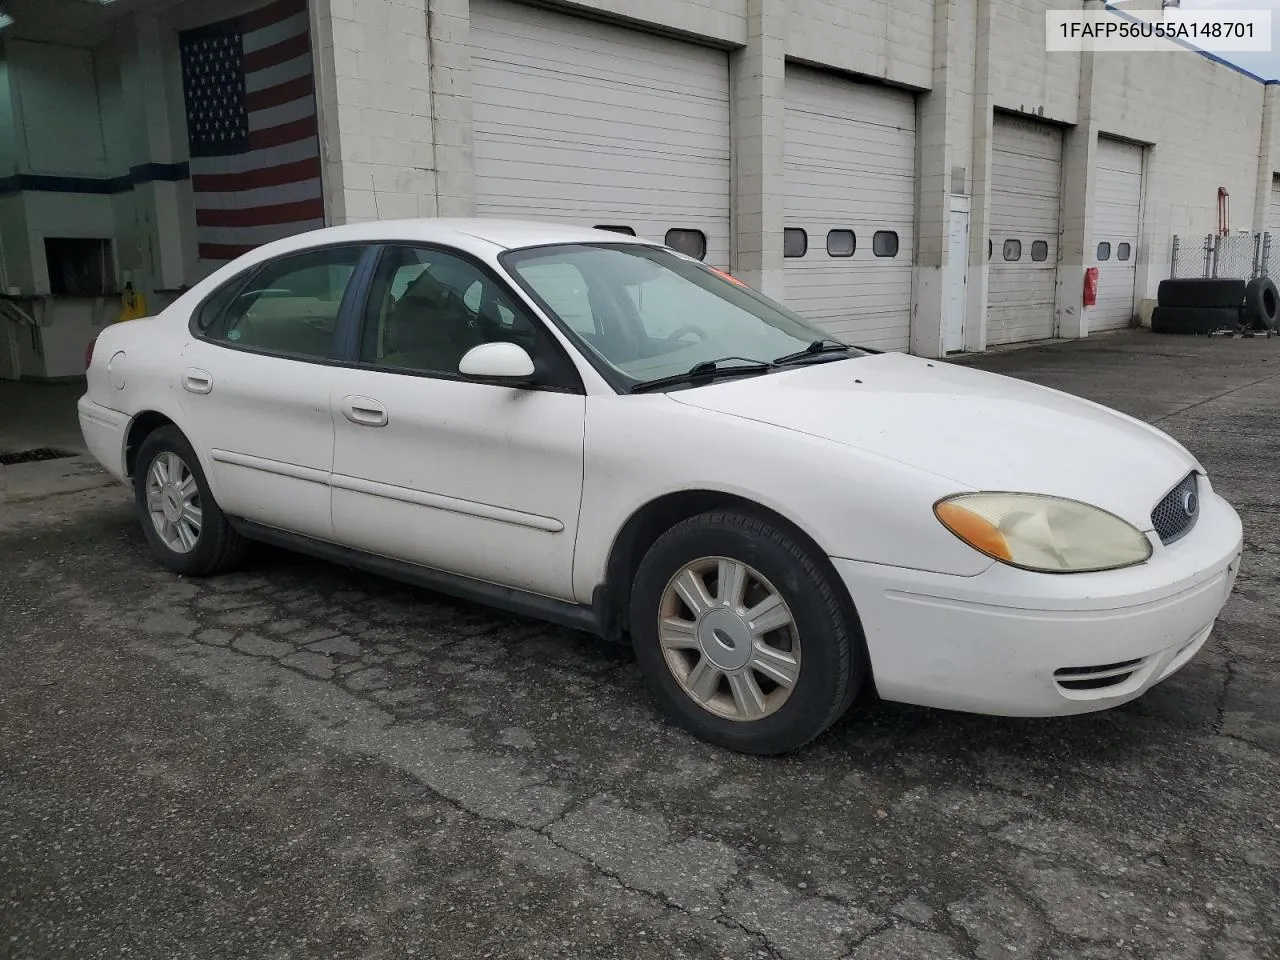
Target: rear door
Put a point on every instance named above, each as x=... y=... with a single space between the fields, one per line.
x=254 y=386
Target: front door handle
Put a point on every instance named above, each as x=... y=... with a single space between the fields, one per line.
x=364 y=412
x=196 y=381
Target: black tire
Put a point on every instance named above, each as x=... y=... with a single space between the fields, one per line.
x=1261 y=304
x=1189 y=320
x=833 y=658
x=1201 y=293
x=217 y=546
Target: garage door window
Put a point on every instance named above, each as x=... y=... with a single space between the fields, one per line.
x=1039 y=250
x=1104 y=251
x=885 y=243
x=1013 y=250
x=291 y=306
x=692 y=243
x=795 y=242
x=1122 y=251
x=841 y=243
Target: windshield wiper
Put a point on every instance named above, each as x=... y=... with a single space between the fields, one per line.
x=706 y=370
x=815 y=349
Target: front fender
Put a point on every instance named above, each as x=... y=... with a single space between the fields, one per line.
x=852 y=504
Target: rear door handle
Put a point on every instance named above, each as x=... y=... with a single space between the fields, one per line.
x=365 y=412
x=196 y=381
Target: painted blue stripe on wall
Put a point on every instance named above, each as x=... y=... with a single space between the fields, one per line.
x=100 y=186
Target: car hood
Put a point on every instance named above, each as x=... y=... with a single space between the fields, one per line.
x=981 y=430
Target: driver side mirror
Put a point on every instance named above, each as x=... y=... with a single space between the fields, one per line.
x=502 y=363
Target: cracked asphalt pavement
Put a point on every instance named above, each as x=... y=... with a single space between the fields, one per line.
x=297 y=760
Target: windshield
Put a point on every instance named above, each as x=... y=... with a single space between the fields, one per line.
x=649 y=313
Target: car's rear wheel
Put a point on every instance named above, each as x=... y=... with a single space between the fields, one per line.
x=743 y=635
x=186 y=530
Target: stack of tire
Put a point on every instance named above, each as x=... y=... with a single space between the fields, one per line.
x=1216 y=306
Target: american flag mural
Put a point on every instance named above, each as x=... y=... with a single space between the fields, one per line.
x=251 y=127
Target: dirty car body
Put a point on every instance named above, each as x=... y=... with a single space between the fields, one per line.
x=605 y=433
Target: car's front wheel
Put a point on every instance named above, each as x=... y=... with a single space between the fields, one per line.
x=183 y=524
x=743 y=635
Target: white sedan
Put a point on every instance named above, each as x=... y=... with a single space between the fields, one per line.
x=605 y=433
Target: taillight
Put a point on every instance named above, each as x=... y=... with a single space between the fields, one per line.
x=88 y=353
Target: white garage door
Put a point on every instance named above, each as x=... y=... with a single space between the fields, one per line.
x=1026 y=190
x=1117 y=206
x=598 y=125
x=850 y=206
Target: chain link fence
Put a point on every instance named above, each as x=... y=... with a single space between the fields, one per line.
x=1237 y=256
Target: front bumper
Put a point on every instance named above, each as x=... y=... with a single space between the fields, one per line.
x=104 y=432
x=1013 y=643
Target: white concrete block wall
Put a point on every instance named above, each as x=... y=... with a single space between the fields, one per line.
x=758 y=84
x=375 y=93
x=891 y=41
x=1024 y=76
x=944 y=118
x=449 y=31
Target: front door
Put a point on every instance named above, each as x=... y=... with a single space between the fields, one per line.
x=475 y=479
x=254 y=388
x=957 y=272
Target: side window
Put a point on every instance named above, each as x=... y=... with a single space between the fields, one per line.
x=1039 y=250
x=1122 y=251
x=795 y=242
x=291 y=305
x=427 y=308
x=210 y=312
x=841 y=243
x=1104 y=251
x=884 y=243
x=1013 y=250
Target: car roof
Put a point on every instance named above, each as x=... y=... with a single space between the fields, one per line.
x=462 y=232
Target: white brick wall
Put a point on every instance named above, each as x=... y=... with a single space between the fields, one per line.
x=376 y=121
x=892 y=41
x=759 y=128
x=1024 y=77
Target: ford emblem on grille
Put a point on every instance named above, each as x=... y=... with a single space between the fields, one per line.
x=1176 y=513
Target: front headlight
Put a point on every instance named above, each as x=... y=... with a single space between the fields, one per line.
x=1046 y=534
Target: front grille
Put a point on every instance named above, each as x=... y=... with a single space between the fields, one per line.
x=1176 y=514
x=1096 y=678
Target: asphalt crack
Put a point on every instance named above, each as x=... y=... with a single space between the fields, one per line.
x=1221 y=703
x=182 y=661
